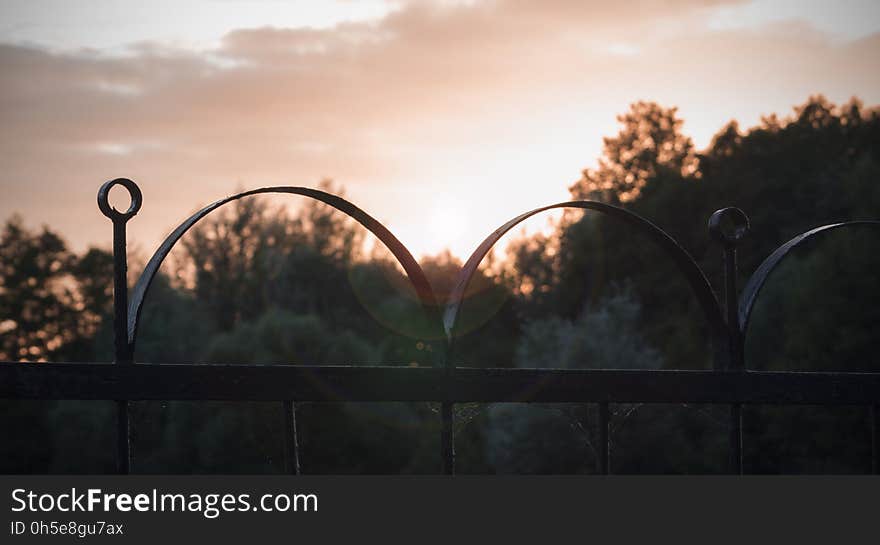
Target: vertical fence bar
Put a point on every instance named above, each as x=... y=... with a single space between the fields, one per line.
x=447 y=411
x=291 y=444
x=123 y=348
x=603 y=422
x=735 y=464
x=122 y=353
x=447 y=438
x=736 y=363
x=735 y=461
x=875 y=439
x=728 y=226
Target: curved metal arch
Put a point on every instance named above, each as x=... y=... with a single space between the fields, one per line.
x=412 y=268
x=698 y=282
x=759 y=277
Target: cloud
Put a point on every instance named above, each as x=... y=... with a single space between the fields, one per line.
x=464 y=99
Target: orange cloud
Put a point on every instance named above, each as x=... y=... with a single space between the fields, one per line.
x=491 y=107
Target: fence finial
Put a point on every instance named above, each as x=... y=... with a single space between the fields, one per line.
x=729 y=226
x=123 y=353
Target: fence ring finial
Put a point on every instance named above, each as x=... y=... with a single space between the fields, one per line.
x=729 y=226
x=134 y=193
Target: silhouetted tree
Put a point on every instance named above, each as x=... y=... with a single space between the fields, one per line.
x=649 y=140
x=257 y=284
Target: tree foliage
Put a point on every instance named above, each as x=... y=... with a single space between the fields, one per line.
x=257 y=283
x=650 y=141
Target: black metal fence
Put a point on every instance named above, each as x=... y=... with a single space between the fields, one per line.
x=728 y=383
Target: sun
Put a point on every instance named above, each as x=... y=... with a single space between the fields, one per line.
x=440 y=225
x=447 y=224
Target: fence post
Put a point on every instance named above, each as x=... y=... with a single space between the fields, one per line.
x=875 y=438
x=728 y=226
x=123 y=348
x=603 y=421
x=291 y=444
x=447 y=438
x=447 y=412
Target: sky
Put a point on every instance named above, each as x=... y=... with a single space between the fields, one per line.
x=443 y=119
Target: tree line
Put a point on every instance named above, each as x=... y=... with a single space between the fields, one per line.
x=258 y=283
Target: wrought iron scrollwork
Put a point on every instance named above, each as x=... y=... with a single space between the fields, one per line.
x=727 y=324
x=697 y=280
x=762 y=273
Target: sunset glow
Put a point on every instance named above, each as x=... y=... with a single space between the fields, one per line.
x=442 y=119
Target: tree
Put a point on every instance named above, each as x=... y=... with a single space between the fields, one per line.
x=37 y=305
x=649 y=141
x=249 y=257
x=264 y=285
x=51 y=306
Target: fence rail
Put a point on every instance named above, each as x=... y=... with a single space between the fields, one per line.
x=728 y=383
x=335 y=383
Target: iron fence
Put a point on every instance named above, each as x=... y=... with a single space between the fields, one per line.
x=729 y=382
